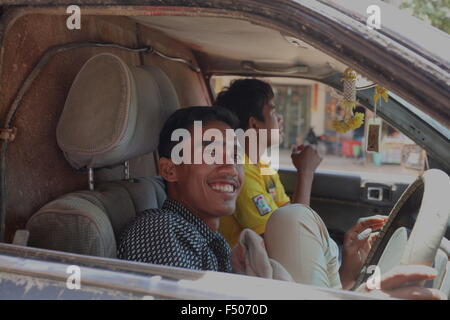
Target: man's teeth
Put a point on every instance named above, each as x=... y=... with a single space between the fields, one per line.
x=223 y=187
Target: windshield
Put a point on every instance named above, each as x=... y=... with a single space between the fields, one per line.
x=308 y=109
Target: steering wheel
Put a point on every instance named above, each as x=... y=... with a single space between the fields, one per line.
x=424 y=207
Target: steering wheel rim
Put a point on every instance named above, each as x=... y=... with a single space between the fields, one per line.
x=429 y=228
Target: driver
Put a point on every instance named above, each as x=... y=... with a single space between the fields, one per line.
x=184 y=232
x=294 y=234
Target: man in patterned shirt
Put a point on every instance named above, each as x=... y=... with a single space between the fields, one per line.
x=183 y=233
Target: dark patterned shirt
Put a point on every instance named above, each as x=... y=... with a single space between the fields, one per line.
x=176 y=237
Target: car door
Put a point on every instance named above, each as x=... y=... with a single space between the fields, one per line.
x=342 y=197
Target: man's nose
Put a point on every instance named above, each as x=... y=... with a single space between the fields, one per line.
x=280 y=118
x=229 y=162
x=229 y=170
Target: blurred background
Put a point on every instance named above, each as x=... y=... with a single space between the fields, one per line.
x=308 y=109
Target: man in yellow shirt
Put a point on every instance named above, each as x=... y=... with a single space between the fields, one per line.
x=252 y=101
x=293 y=233
x=260 y=196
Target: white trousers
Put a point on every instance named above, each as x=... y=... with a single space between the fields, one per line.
x=297 y=238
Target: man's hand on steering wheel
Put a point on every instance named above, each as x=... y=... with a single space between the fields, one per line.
x=357 y=243
x=401 y=282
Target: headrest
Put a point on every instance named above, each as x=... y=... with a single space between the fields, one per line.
x=114 y=112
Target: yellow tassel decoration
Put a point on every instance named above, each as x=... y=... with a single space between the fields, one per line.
x=380 y=92
x=350 y=121
x=356 y=121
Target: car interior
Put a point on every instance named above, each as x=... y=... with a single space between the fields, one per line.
x=84 y=163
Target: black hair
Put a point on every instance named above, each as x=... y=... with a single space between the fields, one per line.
x=184 y=118
x=246 y=98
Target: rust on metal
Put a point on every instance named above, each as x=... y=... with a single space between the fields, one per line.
x=8 y=134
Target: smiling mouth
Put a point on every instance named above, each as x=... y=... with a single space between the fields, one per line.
x=224 y=187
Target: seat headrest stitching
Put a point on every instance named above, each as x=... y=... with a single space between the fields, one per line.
x=86 y=197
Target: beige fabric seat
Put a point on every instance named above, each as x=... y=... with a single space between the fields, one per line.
x=113 y=113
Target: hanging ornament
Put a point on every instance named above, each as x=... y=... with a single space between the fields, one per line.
x=350 y=121
x=373 y=134
x=380 y=92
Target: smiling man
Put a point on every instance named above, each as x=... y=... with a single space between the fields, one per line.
x=183 y=233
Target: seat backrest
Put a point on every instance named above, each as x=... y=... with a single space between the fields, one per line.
x=113 y=113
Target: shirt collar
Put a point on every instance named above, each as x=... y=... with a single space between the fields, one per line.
x=177 y=208
x=260 y=164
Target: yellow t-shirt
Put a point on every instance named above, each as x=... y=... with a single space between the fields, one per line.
x=259 y=197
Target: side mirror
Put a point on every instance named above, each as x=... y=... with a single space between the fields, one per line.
x=413 y=157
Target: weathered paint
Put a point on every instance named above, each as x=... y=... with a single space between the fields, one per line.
x=36 y=169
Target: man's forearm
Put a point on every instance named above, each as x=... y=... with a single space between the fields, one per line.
x=303 y=188
x=348 y=279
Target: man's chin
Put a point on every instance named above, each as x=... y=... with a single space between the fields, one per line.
x=225 y=210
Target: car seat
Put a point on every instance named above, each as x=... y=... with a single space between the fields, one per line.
x=113 y=113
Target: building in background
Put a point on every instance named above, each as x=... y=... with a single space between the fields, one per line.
x=310 y=107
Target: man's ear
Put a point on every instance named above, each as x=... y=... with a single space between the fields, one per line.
x=167 y=170
x=253 y=123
